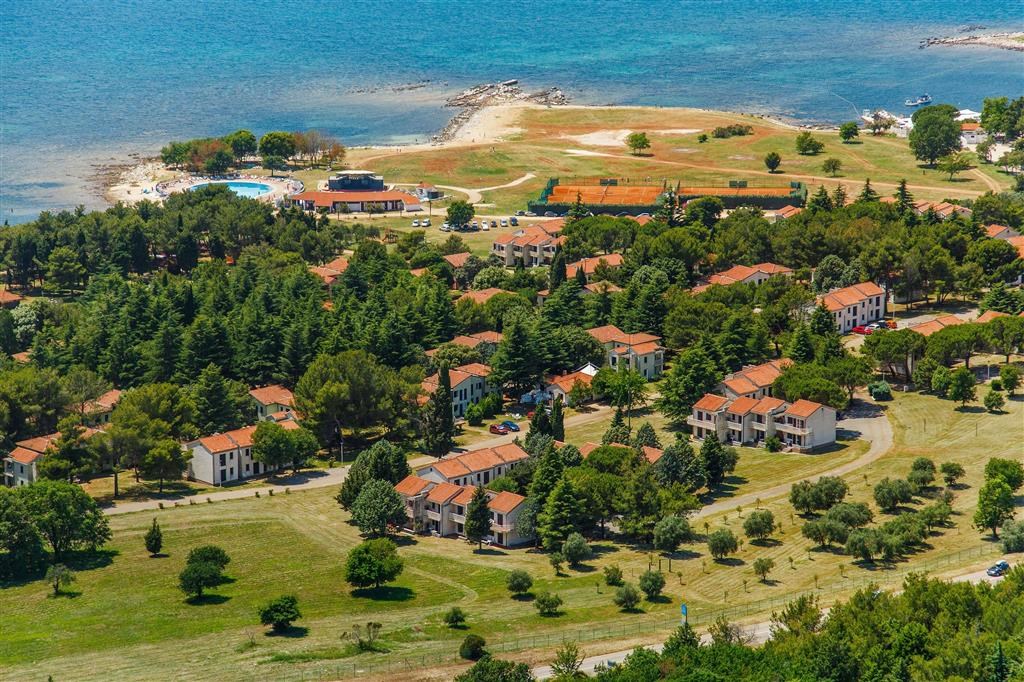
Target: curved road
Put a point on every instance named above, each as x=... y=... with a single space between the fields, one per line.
x=876 y=430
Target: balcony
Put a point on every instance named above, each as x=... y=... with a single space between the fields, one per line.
x=457 y=518
x=706 y=423
x=433 y=515
x=791 y=428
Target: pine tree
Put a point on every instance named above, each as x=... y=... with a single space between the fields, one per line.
x=211 y=395
x=562 y=512
x=618 y=431
x=478 y=518
x=1001 y=299
x=713 y=456
x=438 y=418
x=546 y=477
x=822 y=322
x=205 y=342
x=557 y=420
x=577 y=211
x=998 y=666
x=801 y=346
x=839 y=196
x=161 y=360
x=581 y=277
x=867 y=194
x=646 y=436
x=820 y=200
x=904 y=199
x=540 y=422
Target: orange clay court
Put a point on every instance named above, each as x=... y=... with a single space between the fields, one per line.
x=647 y=195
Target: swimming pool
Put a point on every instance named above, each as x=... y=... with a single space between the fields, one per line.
x=250 y=190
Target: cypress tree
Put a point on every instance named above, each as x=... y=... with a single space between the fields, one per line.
x=154 y=539
x=801 y=346
x=867 y=193
x=545 y=478
x=581 y=276
x=904 y=199
x=556 y=421
x=478 y=518
x=557 y=274
x=438 y=420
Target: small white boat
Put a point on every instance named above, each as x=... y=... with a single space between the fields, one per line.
x=923 y=99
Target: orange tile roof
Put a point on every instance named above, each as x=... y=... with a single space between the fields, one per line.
x=411 y=485
x=488 y=336
x=274 y=394
x=803 y=408
x=750 y=379
x=990 y=315
x=218 y=442
x=339 y=264
x=455 y=378
x=457 y=260
x=711 y=402
x=22 y=357
x=788 y=211
x=741 y=405
x=105 y=402
x=1018 y=242
x=994 y=229
x=476 y=369
x=740 y=385
x=602 y=286
x=328 y=198
x=643 y=219
x=612 y=334
x=589 y=265
x=848 y=296
x=566 y=381
x=326 y=275
x=417 y=272
x=504 y=502
x=652 y=455
x=932 y=326
x=969 y=125
x=483 y=295
x=479 y=460
x=767 y=404
x=464 y=497
x=510 y=452
x=587 y=448
x=24 y=455
x=451 y=468
x=7 y=296
x=442 y=492
x=645 y=348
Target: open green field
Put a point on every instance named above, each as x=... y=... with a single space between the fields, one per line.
x=127 y=620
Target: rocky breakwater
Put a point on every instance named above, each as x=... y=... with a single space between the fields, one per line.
x=473 y=99
x=1004 y=41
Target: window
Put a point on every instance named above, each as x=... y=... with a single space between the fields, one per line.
x=223 y=474
x=231 y=472
x=222 y=462
x=501 y=519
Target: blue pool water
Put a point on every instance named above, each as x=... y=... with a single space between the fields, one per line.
x=250 y=190
x=131 y=78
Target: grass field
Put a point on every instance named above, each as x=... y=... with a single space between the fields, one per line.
x=127 y=619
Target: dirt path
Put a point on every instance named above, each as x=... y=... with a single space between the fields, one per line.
x=992 y=184
x=475 y=196
x=876 y=430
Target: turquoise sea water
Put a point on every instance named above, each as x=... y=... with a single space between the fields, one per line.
x=85 y=83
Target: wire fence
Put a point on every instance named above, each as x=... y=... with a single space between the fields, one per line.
x=631 y=626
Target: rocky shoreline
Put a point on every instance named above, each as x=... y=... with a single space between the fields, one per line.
x=472 y=100
x=1013 y=41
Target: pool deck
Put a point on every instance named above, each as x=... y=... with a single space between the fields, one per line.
x=279 y=187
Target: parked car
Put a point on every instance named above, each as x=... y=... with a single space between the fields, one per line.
x=550 y=214
x=499 y=429
x=998 y=569
x=476 y=225
x=485 y=227
x=876 y=326
x=494 y=223
x=445 y=227
x=415 y=223
x=520 y=212
x=891 y=324
x=530 y=214
x=511 y=425
x=513 y=221
x=425 y=222
x=504 y=223
x=861 y=329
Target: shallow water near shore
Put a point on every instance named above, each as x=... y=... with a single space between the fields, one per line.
x=83 y=84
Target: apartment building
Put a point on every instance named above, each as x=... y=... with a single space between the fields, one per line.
x=802 y=425
x=227 y=457
x=855 y=305
x=272 y=402
x=754 y=381
x=21 y=463
x=744 y=274
x=532 y=245
x=640 y=352
x=469 y=386
x=477 y=467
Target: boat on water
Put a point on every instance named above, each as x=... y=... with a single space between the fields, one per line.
x=923 y=99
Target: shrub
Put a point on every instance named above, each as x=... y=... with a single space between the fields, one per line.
x=890 y=494
x=547 y=603
x=197 y=576
x=518 y=582
x=951 y=472
x=994 y=401
x=942 y=379
x=556 y=560
x=773 y=443
x=474 y=415
x=996 y=385
x=722 y=543
x=1013 y=536
x=651 y=584
x=472 y=648
x=627 y=597
x=732 y=130
x=612 y=575
x=455 y=617
x=575 y=549
x=880 y=390
x=280 y=613
x=670 y=532
x=373 y=563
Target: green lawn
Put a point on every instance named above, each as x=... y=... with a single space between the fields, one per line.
x=127 y=620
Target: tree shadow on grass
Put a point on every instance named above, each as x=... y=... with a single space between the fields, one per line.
x=770 y=582
x=836 y=550
x=660 y=599
x=602 y=548
x=731 y=561
x=970 y=409
x=489 y=551
x=583 y=568
x=384 y=593
x=683 y=555
x=65 y=594
x=291 y=632
x=403 y=540
x=207 y=600
x=766 y=542
x=87 y=561
x=524 y=597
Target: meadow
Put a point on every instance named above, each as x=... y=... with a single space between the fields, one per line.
x=126 y=619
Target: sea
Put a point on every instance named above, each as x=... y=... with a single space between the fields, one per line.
x=86 y=85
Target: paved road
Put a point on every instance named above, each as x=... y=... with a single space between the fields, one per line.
x=876 y=430
x=757 y=633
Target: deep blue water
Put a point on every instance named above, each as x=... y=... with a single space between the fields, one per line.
x=84 y=83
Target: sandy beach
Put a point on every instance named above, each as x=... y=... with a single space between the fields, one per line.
x=139 y=182
x=1005 y=41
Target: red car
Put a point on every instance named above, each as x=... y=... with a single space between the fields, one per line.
x=499 y=429
x=861 y=329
